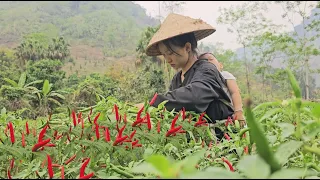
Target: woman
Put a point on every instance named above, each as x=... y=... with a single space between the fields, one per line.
x=198 y=86
x=232 y=87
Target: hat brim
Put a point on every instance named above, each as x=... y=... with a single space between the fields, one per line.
x=153 y=49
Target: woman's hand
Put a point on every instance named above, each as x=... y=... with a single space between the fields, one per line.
x=240 y=117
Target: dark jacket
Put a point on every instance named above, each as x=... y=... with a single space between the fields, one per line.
x=200 y=91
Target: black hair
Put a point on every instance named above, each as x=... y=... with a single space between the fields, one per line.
x=205 y=54
x=181 y=41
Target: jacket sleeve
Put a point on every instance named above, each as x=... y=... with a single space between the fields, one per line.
x=196 y=96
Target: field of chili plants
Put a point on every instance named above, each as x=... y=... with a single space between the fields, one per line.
x=117 y=140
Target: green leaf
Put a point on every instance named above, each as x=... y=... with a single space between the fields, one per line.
x=3 y=111
x=214 y=173
x=285 y=150
x=34 y=82
x=46 y=88
x=145 y=168
x=264 y=105
x=270 y=113
x=312 y=130
x=54 y=101
x=22 y=80
x=161 y=163
x=316 y=111
x=254 y=167
x=292 y=173
x=272 y=139
x=13 y=83
x=58 y=95
x=287 y=130
x=190 y=162
x=258 y=136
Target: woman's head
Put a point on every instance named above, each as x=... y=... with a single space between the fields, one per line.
x=211 y=58
x=179 y=49
x=177 y=30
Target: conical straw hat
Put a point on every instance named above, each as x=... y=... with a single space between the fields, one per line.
x=175 y=25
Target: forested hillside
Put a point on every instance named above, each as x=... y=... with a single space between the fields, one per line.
x=115 y=27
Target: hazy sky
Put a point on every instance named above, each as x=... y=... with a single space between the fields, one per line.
x=208 y=11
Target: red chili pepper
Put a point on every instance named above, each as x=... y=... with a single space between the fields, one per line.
x=171 y=131
x=139 y=114
x=153 y=99
x=58 y=137
x=229 y=120
x=137 y=145
x=89 y=119
x=88 y=176
x=40 y=144
x=62 y=172
x=125 y=119
x=50 y=170
x=121 y=131
x=27 y=128
x=181 y=131
x=158 y=127
x=227 y=136
x=190 y=117
x=70 y=159
x=246 y=150
x=97 y=132
x=173 y=123
x=134 y=142
x=23 y=140
x=12 y=164
x=200 y=123
x=74 y=118
x=43 y=163
x=183 y=113
x=148 y=121
x=83 y=167
x=201 y=116
x=68 y=137
x=107 y=134
x=11 y=133
x=8 y=174
x=119 y=140
x=79 y=117
x=90 y=110
x=117 y=112
x=42 y=133
x=55 y=133
x=96 y=118
x=132 y=134
x=229 y=164
x=50 y=145
x=55 y=165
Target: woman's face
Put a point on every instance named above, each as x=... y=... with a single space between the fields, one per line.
x=178 y=60
x=213 y=60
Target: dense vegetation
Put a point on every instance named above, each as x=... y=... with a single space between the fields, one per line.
x=89 y=119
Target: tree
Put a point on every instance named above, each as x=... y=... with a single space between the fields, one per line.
x=169 y=7
x=247 y=21
x=305 y=37
x=267 y=48
x=46 y=98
